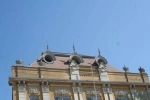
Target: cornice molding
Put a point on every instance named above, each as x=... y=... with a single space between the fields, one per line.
x=15 y=79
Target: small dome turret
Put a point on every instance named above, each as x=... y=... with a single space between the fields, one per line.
x=47 y=57
x=100 y=59
x=75 y=57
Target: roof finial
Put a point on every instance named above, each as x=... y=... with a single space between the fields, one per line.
x=99 y=52
x=125 y=68
x=47 y=47
x=74 y=48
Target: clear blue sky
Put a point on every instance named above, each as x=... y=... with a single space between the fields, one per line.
x=120 y=28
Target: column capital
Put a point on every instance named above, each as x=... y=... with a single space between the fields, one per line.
x=79 y=89
x=45 y=83
x=21 y=83
x=75 y=89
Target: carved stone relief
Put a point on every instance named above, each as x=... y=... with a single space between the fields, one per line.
x=73 y=64
x=45 y=89
x=120 y=92
x=21 y=88
x=74 y=70
x=125 y=95
x=62 y=91
x=122 y=95
x=91 y=91
x=33 y=90
x=102 y=66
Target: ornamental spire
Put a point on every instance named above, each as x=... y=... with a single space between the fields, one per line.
x=99 y=52
x=74 y=51
x=47 y=47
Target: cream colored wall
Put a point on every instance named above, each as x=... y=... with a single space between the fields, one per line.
x=117 y=77
x=55 y=74
x=85 y=74
x=54 y=86
x=28 y=72
x=14 y=92
x=136 y=77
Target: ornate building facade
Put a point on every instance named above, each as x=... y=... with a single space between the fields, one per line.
x=64 y=76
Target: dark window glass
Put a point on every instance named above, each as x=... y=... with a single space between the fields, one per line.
x=121 y=98
x=62 y=98
x=93 y=98
x=34 y=98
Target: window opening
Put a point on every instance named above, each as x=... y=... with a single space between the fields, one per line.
x=62 y=98
x=34 y=98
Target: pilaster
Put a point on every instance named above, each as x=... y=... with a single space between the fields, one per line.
x=148 y=92
x=133 y=92
x=80 y=92
x=74 y=70
x=105 y=92
x=103 y=72
x=45 y=91
x=103 y=75
x=75 y=93
x=21 y=91
x=109 y=90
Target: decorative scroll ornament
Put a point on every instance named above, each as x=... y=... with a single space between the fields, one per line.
x=120 y=92
x=62 y=91
x=73 y=64
x=45 y=89
x=33 y=90
x=21 y=88
x=102 y=67
x=90 y=91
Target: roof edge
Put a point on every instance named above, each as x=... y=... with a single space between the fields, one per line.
x=68 y=54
